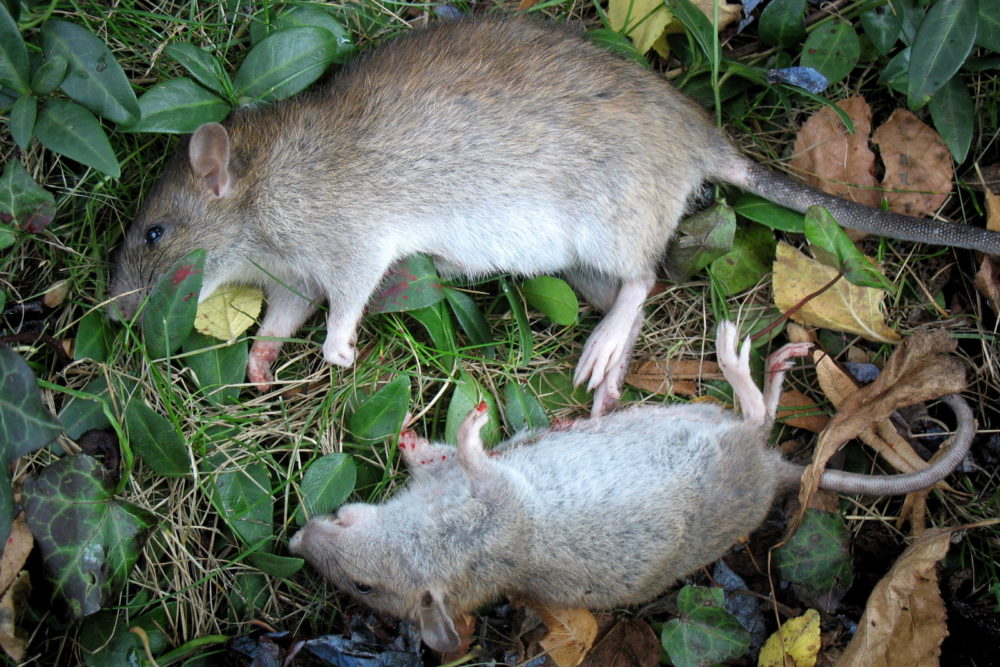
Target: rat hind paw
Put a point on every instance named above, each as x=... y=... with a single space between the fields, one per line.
x=734 y=360
x=262 y=354
x=419 y=452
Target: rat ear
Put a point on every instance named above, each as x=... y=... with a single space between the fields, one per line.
x=208 y=153
x=436 y=627
x=355 y=514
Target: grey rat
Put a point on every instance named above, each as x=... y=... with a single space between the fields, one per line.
x=602 y=512
x=494 y=145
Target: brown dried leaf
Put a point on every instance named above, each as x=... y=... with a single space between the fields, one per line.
x=921 y=369
x=843 y=307
x=656 y=375
x=798 y=410
x=571 y=633
x=987 y=280
x=827 y=157
x=14 y=640
x=904 y=621
x=15 y=552
x=918 y=167
x=56 y=294
x=629 y=643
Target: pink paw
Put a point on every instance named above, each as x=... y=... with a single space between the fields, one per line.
x=262 y=354
x=779 y=361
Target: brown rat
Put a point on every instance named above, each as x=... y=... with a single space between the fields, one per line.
x=494 y=145
x=603 y=512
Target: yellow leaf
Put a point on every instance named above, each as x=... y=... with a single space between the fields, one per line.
x=642 y=20
x=843 y=307
x=571 y=633
x=228 y=312
x=798 y=638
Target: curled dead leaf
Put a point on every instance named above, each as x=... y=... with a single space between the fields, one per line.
x=798 y=410
x=629 y=642
x=13 y=639
x=843 y=307
x=15 y=552
x=829 y=158
x=918 y=167
x=571 y=633
x=677 y=376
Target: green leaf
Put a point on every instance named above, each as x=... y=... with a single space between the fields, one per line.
x=832 y=50
x=468 y=394
x=705 y=633
x=168 y=317
x=319 y=17
x=243 y=498
x=439 y=325
x=988 y=34
x=943 y=41
x=326 y=484
x=408 y=285
x=695 y=22
x=67 y=128
x=22 y=120
x=80 y=415
x=217 y=368
x=30 y=206
x=782 y=23
x=25 y=424
x=618 y=44
x=524 y=334
x=6 y=506
x=954 y=116
x=911 y=14
x=49 y=75
x=768 y=213
x=89 y=541
x=275 y=565
x=7 y=239
x=471 y=319
x=748 y=261
x=93 y=337
x=382 y=414
x=882 y=26
x=284 y=63
x=523 y=411
x=826 y=236
x=155 y=440
x=109 y=642
x=13 y=54
x=896 y=72
x=205 y=68
x=94 y=78
x=817 y=558
x=553 y=297
x=555 y=390
x=700 y=240
x=177 y=106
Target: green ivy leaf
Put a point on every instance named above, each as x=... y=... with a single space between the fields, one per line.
x=94 y=78
x=701 y=239
x=408 y=285
x=93 y=337
x=943 y=41
x=13 y=54
x=155 y=440
x=30 y=206
x=382 y=414
x=109 y=642
x=705 y=633
x=49 y=75
x=284 y=63
x=782 y=23
x=523 y=411
x=882 y=26
x=326 y=484
x=217 y=368
x=833 y=50
x=168 y=317
x=67 y=128
x=89 y=541
x=177 y=106
x=817 y=558
x=954 y=116
x=553 y=297
x=768 y=213
x=468 y=393
x=205 y=68
x=25 y=424
x=319 y=17
x=829 y=238
x=471 y=319
x=748 y=261
x=22 y=120
x=243 y=498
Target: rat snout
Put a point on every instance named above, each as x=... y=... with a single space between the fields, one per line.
x=125 y=301
x=295 y=543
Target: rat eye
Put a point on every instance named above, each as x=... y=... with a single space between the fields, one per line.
x=154 y=234
x=360 y=588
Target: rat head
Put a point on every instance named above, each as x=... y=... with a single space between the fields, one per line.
x=379 y=565
x=194 y=205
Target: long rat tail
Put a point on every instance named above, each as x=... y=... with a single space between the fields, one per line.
x=779 y=188
x=895 y=485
